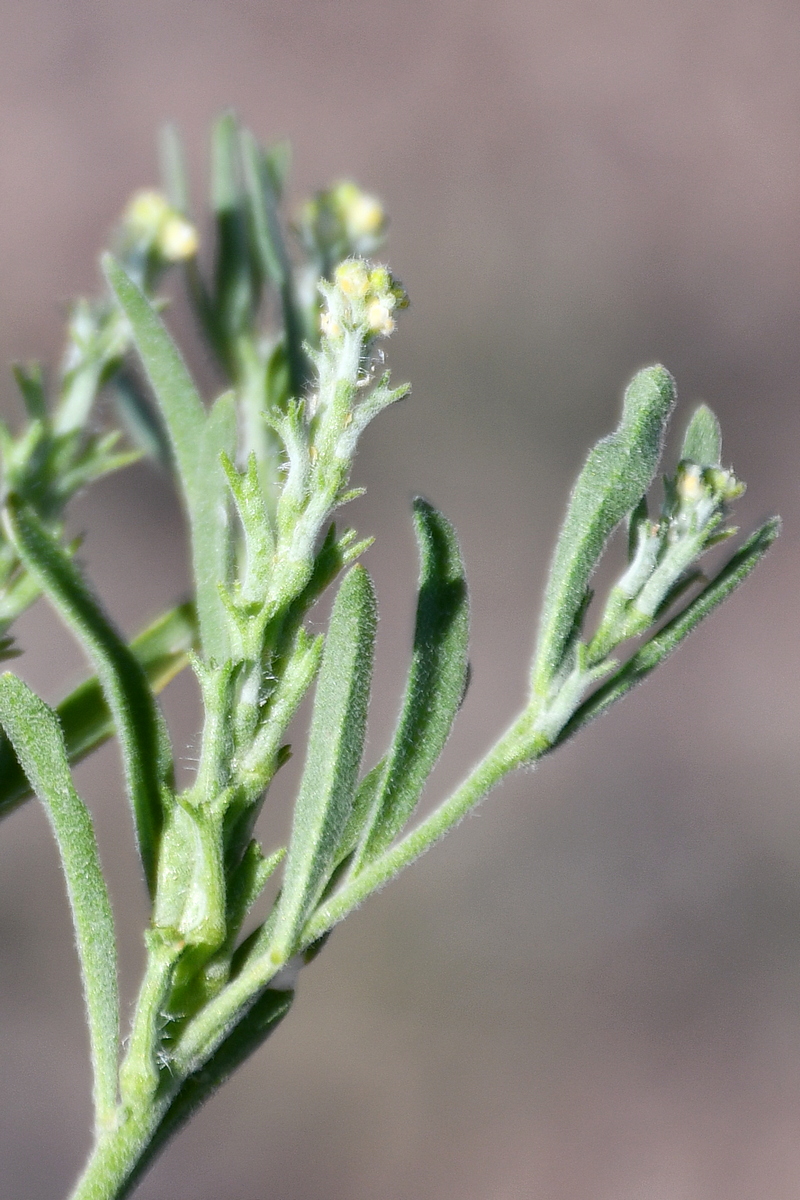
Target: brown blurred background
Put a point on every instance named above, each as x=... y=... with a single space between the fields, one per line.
x=592 y=990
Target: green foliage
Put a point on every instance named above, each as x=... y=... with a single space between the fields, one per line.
x=335 y=746
x=617 y=474
x=260 y=472
x=33 y=730
x=436 y=683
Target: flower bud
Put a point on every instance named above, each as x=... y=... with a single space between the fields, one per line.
x=362 y=299
x=150 y=225
x=342 y=221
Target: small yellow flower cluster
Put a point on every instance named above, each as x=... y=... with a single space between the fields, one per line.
x=342 y=220
x=150 y=220
x=694 y=483
x=362 y=297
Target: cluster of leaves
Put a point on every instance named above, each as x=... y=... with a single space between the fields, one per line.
x=296 y=330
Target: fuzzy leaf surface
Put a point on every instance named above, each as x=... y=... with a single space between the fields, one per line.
x=617 y=474
x=702 y=443
x=194 y=439
x=33 y=730
x=212 y=546
x=661 y=645
x=436 y=680
x=146 y=754
x=335 y=747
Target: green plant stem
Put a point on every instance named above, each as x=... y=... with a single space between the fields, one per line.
x=116 y=1154
x=204 y=1033
x=511 y=751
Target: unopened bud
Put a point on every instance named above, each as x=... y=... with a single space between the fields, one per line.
x=178 y=239
x=152 y=224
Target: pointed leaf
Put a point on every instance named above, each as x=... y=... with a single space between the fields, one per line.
x=195 y=442
x=702 y=443
x=259 y=177
x=34 y=732
x=245 y=885
x=173 y=168
x=143 y=739
x=30 y=382
x=335 y=746
x=181 y=406
x=617 y=473
x=212 y=535
x=237 y=281
x=435 y=685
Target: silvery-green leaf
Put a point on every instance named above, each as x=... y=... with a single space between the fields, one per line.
x=436 y=681
x=197 y=442
x=617 y=473
x=146 y=753
x=34 y=732
x=335 y=746
x=658 y=647
x=702 y=443
x=260 y=180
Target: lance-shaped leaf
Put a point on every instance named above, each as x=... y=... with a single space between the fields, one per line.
x=657 y=648
x=259 y=178
x=436 y=681
x=146 y=754
x=237 y=280
x=85 y=719
x=34 y=732
x=617 y=473
x=212 y=536
x=335 y=746
x=30 y=381
x=702 y=443
x=195 y=442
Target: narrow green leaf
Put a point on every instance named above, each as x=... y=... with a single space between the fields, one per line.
x=617 y=473
x=278 y=158
x=181 y=406
x=141 y=418
x=256 y=524
x=85 y=720
x=435 y=685
x=236 y=277
x=702 y=443
x=143 y=739
x=245 y=885
x=259 y=178
x=365 y=800
x=174 y=177
x=34 y=732
x=264 y=212
x=661 y=645
x=335 y=746
x=30 y=382
x=212 y=535
x=195 y=442
x=175 y=182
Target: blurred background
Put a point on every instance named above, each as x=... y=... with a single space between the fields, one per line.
x=591 y=991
